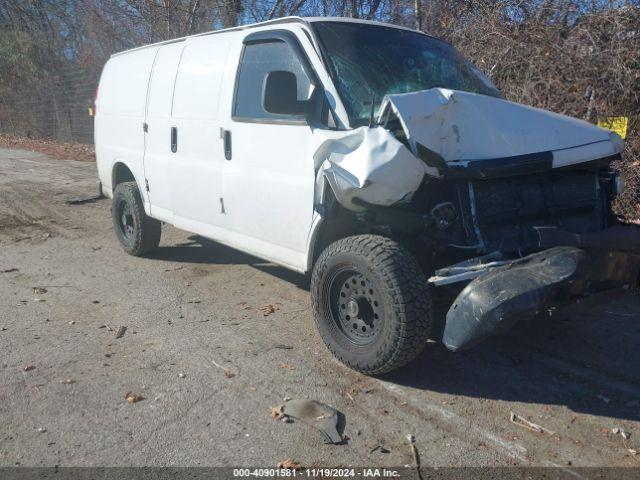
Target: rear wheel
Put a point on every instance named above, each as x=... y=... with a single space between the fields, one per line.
x=372 y=304
x=137 y=232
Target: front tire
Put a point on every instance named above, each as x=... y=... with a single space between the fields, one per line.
x=372 y=303
x=137 y=232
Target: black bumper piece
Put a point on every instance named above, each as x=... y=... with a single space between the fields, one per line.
x=495 y=301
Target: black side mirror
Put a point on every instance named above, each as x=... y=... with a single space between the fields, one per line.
x=280 y=94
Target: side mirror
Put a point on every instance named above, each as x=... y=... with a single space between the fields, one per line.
x=280 y=94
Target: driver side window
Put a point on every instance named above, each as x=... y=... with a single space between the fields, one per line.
x=258 y=59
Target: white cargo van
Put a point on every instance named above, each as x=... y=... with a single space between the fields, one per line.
x=375 y=158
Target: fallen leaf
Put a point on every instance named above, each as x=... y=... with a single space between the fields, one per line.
x=229 y=374
x=29 y=368
x=276 y=412
x=345 y=437
x=289 y=464
x=268 y=309
x=39 y=290
x=132 y=397
x=288 y=366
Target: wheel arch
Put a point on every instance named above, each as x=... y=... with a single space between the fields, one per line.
x=121 y=172
x=333 y=224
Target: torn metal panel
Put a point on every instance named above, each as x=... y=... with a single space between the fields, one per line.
x=462 y=127
x=368 y=164
x=523 y=288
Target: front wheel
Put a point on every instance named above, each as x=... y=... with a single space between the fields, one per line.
x=137 y=232
x=371 y=302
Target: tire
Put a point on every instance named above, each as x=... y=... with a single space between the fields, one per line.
x=137 y=232
x=372 y=303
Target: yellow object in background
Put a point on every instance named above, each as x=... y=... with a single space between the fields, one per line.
x=615 y=124
x=91 y=113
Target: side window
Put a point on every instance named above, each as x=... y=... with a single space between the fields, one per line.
x=258 y=60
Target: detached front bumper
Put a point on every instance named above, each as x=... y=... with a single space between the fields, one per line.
x=509 y=291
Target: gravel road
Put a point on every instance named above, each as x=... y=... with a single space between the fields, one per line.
x=209 y=364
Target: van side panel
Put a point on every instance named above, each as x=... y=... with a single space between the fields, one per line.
x=120 y=114
x=196 y=169
x=158 y=155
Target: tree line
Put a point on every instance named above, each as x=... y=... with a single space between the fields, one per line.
x=578 y=57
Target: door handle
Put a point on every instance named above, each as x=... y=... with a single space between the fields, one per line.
x=174 y=139
x=226 y=137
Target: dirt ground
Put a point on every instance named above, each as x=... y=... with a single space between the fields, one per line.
x=209 y=364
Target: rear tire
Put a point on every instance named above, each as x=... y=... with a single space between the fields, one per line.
x=137 y=232
x=372 y=303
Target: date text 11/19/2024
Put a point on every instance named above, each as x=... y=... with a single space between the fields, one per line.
x=317 y=472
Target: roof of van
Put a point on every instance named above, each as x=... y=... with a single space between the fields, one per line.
x=303 y=20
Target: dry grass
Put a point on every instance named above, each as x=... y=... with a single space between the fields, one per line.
x=59 y=150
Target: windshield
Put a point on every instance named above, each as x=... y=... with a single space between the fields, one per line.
x=371 y=61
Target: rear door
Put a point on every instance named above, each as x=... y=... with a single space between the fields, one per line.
x=158 y=154
x=268 y=181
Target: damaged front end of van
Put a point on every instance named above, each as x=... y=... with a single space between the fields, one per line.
x=508 y=203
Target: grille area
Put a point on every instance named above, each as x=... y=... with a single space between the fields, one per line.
x=507 y=208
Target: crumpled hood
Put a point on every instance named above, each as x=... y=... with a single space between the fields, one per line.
x=462 y=127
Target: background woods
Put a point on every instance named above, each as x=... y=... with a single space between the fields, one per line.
x=578 y=57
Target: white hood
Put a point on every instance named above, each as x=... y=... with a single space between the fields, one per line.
x=462 y=127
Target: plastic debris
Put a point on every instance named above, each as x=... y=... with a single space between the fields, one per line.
x=318 y=415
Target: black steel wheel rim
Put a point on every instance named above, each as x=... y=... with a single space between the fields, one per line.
x=355 y=306
x=124 y=218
